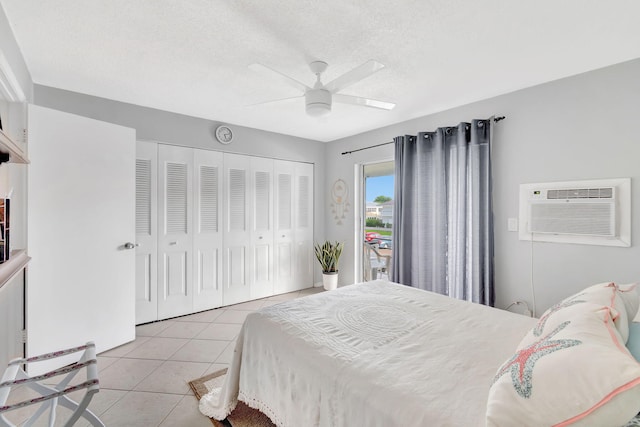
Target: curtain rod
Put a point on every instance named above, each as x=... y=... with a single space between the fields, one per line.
x=495 y=120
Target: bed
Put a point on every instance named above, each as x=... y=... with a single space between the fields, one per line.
x=383 y=354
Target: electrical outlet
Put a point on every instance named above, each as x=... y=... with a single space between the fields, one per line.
x=512 y=224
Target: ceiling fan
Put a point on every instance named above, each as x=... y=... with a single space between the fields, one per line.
x=318 y=99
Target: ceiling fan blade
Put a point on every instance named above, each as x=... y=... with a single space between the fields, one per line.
x=353 y=76
x=263 y=69
x=275 y=100
x=366 y=102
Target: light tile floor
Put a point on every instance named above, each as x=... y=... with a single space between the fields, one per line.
x=144 y=382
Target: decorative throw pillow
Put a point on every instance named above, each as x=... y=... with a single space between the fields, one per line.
x=575 y=371
x=609 y=294
x=603 y=294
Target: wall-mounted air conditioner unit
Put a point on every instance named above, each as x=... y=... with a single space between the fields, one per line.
x=595 y=212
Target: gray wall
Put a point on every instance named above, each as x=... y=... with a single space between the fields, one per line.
x=582 y=127
x=177 y=129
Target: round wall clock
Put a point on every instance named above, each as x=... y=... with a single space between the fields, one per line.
x=224 y=134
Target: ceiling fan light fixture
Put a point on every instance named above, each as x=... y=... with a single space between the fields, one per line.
x=317 y=110
x=318 y=102
x=320 y=97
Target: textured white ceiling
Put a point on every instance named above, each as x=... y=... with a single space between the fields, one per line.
x=191 y=56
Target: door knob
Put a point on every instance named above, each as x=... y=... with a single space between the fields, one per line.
x=130 y=245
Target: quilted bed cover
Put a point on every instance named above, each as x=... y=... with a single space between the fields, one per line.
x=369 y=354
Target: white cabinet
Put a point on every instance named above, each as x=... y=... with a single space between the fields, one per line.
x=12 y=271
x=230 y=228
x=12 y=318
x=13 y=132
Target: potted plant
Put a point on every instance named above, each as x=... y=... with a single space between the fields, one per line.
x=328 y=255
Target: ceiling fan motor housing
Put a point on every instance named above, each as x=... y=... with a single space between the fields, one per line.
x=318 y=102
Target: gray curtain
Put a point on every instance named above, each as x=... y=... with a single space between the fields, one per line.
x=443 y=225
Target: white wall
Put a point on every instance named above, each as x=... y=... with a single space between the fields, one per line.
x=177 y=129
x=582 y=127
x=11 y=52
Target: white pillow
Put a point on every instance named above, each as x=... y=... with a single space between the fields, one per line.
x=609 y=294
x=603 y=294
x=577 y=371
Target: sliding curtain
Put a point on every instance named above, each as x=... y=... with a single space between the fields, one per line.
x=443 y=227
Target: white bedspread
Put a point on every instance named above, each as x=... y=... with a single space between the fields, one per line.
x=371 y=354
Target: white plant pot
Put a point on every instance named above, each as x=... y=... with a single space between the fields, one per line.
x=330 y=281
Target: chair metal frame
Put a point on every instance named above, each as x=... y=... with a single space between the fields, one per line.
x=371 y=268
x=52 y=396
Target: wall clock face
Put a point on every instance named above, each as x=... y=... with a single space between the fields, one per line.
x=224 y=134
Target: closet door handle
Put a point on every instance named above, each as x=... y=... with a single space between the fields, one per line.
x=130 y=245
x=173 y=243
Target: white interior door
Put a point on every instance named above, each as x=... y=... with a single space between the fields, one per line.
x=81 y=199
x=303 y=220
x=146 y=232
x=238 y=256
x=175 y=223
x=284 y=260
x=207 y=234
x=262 y=227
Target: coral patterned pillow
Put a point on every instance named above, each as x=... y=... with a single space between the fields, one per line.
x=603 y=294
x=610 y=294
x=574 y=370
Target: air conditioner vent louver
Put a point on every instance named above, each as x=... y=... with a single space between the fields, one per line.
x=594 y=212
x=581 y=193
x=583 y=219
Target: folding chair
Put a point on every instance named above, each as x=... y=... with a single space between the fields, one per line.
x=375 y=263
x=52 y=396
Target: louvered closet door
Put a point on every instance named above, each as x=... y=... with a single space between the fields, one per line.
x=146 y=232
x=262 y=227
x=303 y=225
x=175 y=243
x=238 y=256
x=284 y=259
x=207 y=234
